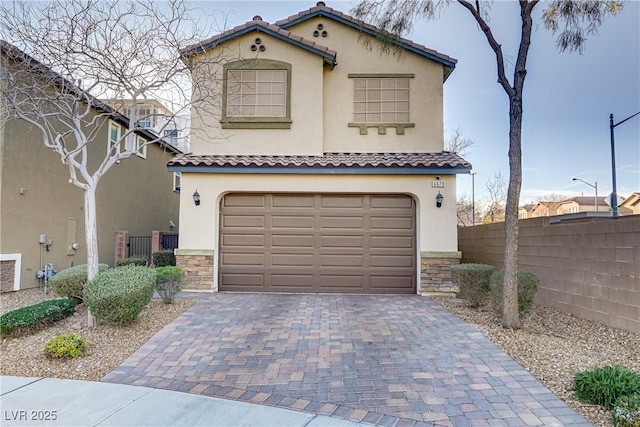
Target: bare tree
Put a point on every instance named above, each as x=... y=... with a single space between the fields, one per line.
x=459 y=144
x=572 y=20
x=497 y=189
x=84 y=50
x=464 y=210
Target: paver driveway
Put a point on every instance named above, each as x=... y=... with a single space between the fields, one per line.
x=388 y=360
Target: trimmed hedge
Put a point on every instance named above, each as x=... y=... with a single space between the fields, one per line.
x=70 y=282
x=164 y=258
x=29 y=319
x=473 y=282
x=68 y=346
x=118 y=295
x=169 y=282
x=132 y=260
x=527 y=287
x=604 y=386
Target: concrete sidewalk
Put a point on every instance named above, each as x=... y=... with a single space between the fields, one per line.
x=55 y=402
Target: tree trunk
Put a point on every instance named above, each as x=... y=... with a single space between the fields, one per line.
x=91 y=234
x=510 y=315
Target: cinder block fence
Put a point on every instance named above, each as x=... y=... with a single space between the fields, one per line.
x=589 y=268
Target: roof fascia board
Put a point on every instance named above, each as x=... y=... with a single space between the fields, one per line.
x=323 y=13
x=259 y=28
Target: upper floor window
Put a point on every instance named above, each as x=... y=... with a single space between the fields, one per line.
x=381 y=100
x=113 y=145
x=141 y=147
x=171 y=136
x=176 y=182
x=144 y=116
x=257 y=95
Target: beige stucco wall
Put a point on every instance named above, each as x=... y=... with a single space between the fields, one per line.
x=321 y=97
x=436 y=227
x=135 y=195
x=305 y=135
x=354 y=57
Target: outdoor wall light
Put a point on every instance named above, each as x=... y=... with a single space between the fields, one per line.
x=196 y=198
x=439 y=198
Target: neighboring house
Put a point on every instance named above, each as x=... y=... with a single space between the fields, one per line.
x=544 y=209
x=152 y=114
x=631 y=205
x=582 y=204
x=42 y=218
x=524 y=212
x=324 y=168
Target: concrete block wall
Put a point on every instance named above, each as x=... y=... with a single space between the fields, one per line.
x=590 y=269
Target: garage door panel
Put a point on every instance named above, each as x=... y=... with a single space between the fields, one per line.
x=391 y=261
x=342 y=242
x=243 y=221
x=292 y=259
x=290 y=221
x=234 y=240
x=318 y=243
x=244 y=201
x=292 y=201
x=242 y=259
x=243 y=279
x=293 y=281
x=341 y=260
x=405 y=242
x=292 y=241
x=391 y=223
x=342 y=222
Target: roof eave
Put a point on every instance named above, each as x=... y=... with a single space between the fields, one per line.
x=321 y=170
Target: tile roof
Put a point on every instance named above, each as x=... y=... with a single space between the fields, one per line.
x=257 y=24
x=415 y=162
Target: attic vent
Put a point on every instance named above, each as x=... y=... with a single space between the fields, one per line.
x=257 y=18
x=320 y=4
x=317 y=32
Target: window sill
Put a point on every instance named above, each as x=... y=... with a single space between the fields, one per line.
x=382 y=127
x=256 y=124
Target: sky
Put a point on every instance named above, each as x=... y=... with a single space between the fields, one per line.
x=568 y=97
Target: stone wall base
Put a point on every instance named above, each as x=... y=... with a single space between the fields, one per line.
x=435 y=273
x=198 y=268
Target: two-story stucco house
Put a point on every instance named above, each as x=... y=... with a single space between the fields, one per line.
x=323 y=168
x=42 y=214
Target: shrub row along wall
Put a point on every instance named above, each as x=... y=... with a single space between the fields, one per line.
x=590 y=268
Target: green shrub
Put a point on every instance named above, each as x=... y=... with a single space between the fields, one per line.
x=120 y=294
x=472 y=281
x=132 y=260
x=31 y=318
x=70 y=282
x=626 y=412
x=71 y=345
x=604 y=386
x=164 y=258
x=169 y=282
x=527 y=287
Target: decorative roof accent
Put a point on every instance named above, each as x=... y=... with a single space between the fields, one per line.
x=262 y=26
x=378 y=163
x=321 y=10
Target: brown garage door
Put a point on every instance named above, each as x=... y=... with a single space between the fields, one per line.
x=317 y=243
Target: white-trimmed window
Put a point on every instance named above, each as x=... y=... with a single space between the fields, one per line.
x=141 y=147
x=114 y=144
x=176 y=182
x=144 y=116
x=381 y=100
x=171 y=136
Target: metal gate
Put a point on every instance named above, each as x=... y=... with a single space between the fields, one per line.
x=169 y=241
x=140 y=246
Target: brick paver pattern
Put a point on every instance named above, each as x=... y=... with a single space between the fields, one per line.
x=387 y=360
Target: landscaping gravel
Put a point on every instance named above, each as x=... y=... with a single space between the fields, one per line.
x=553 y=346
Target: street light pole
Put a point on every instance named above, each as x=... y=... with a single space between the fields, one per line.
x=591 y=185
x=473 y=198
x=614 y=193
